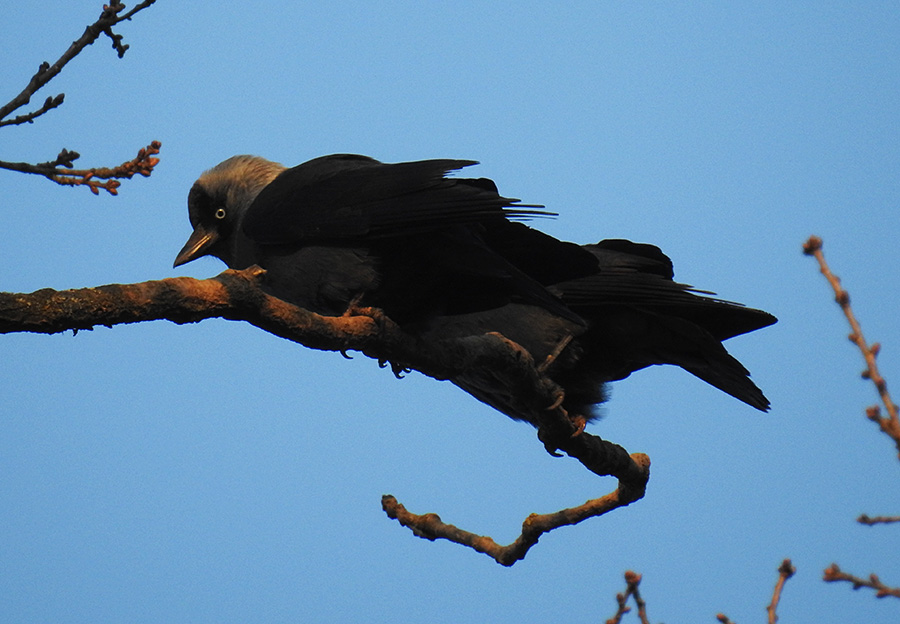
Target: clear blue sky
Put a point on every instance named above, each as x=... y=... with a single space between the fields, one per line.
x=214 y=473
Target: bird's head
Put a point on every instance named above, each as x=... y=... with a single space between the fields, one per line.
x=218 y=202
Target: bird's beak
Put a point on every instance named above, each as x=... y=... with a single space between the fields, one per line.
x=197 y=245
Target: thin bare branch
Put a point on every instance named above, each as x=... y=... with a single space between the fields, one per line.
x=632 y=580
x=890 y=425
x=785 y=571
x=109 y=17
x=864 y=519
x=834 y=574
x=49 y=104
x=107 y=178
x=724 y=619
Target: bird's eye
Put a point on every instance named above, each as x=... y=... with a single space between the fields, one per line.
x=220 y=213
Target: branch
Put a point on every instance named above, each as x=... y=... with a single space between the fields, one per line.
x=785 y=571
x=49 y=104
x=834 y=574
x=237 y=295
x=632 y=580
x=890 y=425
x=46 y=72
x=431 y=527
x=864 y=519
x=61 y=171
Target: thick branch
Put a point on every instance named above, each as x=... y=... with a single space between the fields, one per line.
x=891 y=424
x=236 y=295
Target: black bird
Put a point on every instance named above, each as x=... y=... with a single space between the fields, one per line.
x=444 y=258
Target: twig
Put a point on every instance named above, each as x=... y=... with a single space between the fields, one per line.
x=890 y=425
x=61 y=171
x=46 y=72
x=49 y=104
x=834 y=574
x=785 y=571
x=724 y=619
x=237 y=295
x=864 y=519
x=632 y=580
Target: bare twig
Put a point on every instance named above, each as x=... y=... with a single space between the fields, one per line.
x=49 y=104
x=785 y=571
x=864 y=519
x=46 y=72
x=724 y=619
x=237 y=295
x=632 y=580
x=890 y=425
x=61 y=171
x=834 y=574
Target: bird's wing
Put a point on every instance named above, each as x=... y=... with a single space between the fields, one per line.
x=343 y=196
x=640 y=276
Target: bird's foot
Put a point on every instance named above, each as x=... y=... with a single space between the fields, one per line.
x=355 y=309
x=398 y=369
x=555 y=436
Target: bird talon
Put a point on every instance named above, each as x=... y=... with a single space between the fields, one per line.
x=552 y=450
x=557 y=402
x=580 y=423
x=548 y=439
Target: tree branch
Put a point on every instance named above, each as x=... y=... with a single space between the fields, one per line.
x=785 y=571
x=46 y=72
x=834 y=574
x=431 y=527
x=61 y=169
x=632 y=580
x=239 y=295
x=890 y=425
x=864 y=519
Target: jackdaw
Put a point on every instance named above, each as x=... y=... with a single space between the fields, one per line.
x=447 y=257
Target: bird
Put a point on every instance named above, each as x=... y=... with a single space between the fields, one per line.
x=447 y=257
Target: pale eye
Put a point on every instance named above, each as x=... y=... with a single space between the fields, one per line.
x=220 y=213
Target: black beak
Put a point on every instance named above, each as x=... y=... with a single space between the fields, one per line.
x=197 y=245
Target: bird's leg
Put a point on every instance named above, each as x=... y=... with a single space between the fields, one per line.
x=557 y=350
x=379 y=317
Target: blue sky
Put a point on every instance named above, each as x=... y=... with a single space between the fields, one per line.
x=214 y=473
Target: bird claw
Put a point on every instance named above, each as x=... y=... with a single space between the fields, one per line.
x=580 y=423
x=544 y=435
x=557 y=402
x=398 y=369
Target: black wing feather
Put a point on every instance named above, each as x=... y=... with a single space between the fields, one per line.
x=343 y=197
